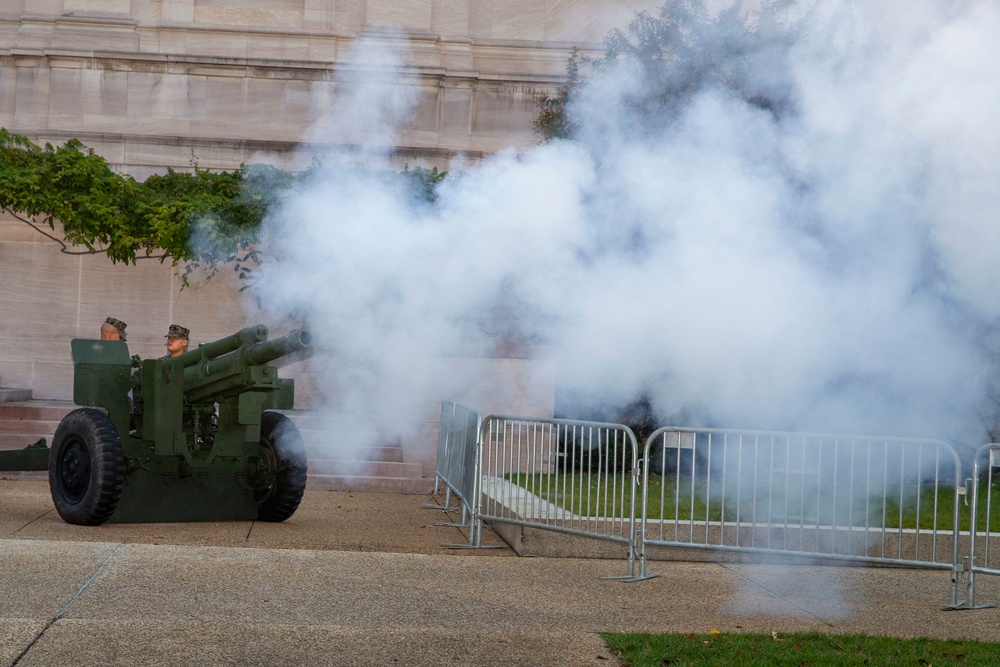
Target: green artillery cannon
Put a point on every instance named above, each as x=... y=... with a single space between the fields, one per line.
x=197 y=439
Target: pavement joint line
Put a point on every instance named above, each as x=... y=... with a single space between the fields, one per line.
x=69 y=604
x=805 y=611
x=31 y=522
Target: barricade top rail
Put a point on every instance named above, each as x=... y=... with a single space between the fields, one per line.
x=560 y=422
x=460 y=406
x=984 y=449
x=797 y=434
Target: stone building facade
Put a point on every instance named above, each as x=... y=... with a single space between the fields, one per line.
x=151 y=84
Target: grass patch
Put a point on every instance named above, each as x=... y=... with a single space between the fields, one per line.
x=699 y=500
x=796 y=650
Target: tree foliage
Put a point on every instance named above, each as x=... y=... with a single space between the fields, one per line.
x=423 y=183
x=553 y=120
x=200 y=217
x=108 y=212
x=682 y=50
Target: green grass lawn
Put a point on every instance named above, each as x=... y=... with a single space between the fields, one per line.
x=796 y=650
x=697 y=500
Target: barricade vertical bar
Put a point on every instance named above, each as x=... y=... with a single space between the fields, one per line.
x=974 y=529
x=580 y=478
x=935 y=504
x=476 y=534
x=570 y=479
x=559 y=442
x=868 y=492
x=605 y=522
x=708 y=489
x=677 y=488
x=903 y=463
x=787 y=449
x=835 y=498
x=633 y=541
x=956 y=529
x=753 y=507
x=723 y=494
x=640 y=478
x=920 y=460
x=851 y=496
x=820 y=481
x=770 y=490
x=584 y=477
x=989 y=505
x=802 y=491
x=964 y=571
x=739 y=487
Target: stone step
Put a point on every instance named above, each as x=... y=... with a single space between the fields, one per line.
x=314 y=450
x=40 y=410
x=366 y=468
x=320 y=482
x=319 y=420
x=16 y=426
x=8 y=395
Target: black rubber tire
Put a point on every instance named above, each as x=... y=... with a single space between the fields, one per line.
x=283 y=450
x=86 y=467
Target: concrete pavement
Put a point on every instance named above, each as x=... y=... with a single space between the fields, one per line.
x=365 y=579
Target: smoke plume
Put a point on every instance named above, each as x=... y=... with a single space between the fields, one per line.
x=801 y=235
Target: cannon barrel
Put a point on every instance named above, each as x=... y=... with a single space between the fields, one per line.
x=247 y=336
x=224 y=375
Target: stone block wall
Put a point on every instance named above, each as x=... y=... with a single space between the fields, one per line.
x=156 y=83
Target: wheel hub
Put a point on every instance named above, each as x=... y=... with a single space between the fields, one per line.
x=74 y=472
x=262 y=480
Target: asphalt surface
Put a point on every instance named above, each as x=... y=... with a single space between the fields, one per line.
x=367 y=579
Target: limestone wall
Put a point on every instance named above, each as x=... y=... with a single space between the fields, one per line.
x=151 y=83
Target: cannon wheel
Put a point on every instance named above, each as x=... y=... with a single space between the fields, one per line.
x=86 y=467
x=283 y=468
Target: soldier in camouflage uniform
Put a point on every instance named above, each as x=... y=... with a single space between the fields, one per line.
x=177 y=340
x=113 y=329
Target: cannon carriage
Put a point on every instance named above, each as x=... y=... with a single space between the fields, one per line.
x=195 y=437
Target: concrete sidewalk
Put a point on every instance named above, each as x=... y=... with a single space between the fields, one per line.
x=364 y=579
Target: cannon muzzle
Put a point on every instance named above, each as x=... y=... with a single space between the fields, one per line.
x=272 y=350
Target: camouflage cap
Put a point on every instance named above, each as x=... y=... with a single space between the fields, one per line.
x=177 y=331
x=117 y=324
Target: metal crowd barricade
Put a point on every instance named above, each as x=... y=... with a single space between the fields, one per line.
x=457 y=463
x=563 y=475
x=860 y=498
x=983 y=555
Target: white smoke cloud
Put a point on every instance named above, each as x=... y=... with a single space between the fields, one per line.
x=828 y=269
